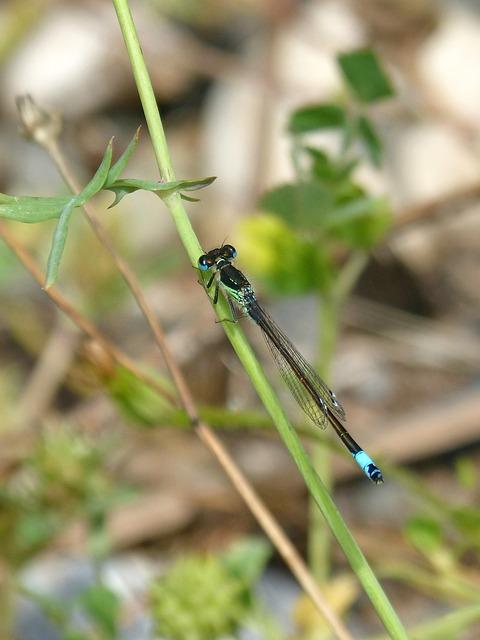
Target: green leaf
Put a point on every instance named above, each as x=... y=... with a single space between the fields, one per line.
x=103 y=607
x=424 y=533
x=301 y=205
x=128 y=185
x=36 y=209
x=286 y=262
x=364 y=75
x=137 y=400
x=119 y=166
x=34 y=529
x=349 y=132
x=467 y=519
x=246 y=559
x=31 y=209
x=189 y=198
x=98 y=180
x=361 y=222
x=329 y=171
x=322 y=116
x=370 y=140
x=58 y=242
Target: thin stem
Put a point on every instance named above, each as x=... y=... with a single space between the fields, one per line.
x=242 y=348
x=319 y=536
x=108 y=349
x=155 y=127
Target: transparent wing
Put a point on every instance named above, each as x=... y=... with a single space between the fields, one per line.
x=309 y=390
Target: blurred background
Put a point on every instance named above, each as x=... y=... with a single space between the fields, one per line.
x=107 y=502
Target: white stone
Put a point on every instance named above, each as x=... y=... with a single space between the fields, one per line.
x=61 y=62
x=449 y=64
x=428 y=160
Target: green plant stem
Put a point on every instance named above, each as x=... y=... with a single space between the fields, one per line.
x=446 y=627
x=319 y=536
x=243 y=349
x=155 y=127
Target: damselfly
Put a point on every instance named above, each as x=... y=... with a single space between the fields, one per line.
x=312 y=394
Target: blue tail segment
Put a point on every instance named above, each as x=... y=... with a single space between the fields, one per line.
x=368 y=467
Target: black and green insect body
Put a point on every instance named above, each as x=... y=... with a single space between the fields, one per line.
x=315 y=398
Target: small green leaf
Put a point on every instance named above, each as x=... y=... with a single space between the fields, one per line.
x=467 y=519
x=58 y=242
x=328 y=171
x=350 y=210
x=35 y=209
x=98 y=180
x=137 y=400
x=360 y=222
x=120 y=193
x=31 y=209
x=424 y=533
x=103 y=607
x=129 y=185
x=322 y=116
x=246 y=559
x=364 y=74
x=370 y=140
x=301 y=205
x=183 y=196
x=119 y=166
x=34 y=529
x=349 y=132
x=286 y=262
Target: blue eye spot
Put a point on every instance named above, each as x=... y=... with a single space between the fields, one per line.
x=205 y=262
x=229 y=251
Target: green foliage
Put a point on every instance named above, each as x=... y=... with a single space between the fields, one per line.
x=424 y=533
x=288 y=263
x=325 y=212
x=368 y=136
x=246 y=559
x=62 y=479
x=447 y=539
x=35 y=209
x=322 y=116
x=103 y=609
x=99 y=606
x=300 y=205
x=466 y=472
x=207 y=597
x=137 y=400
x=364 y=75
x=197 y=600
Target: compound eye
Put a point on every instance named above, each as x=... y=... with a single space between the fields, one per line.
x=205 y=262
x=229 y=251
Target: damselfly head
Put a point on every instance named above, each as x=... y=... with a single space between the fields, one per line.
x=225 y=252
x=205 y=262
